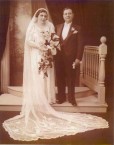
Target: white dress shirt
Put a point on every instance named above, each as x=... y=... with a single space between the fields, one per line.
x=65 y=31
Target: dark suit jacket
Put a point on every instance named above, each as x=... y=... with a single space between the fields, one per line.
x=72 y=46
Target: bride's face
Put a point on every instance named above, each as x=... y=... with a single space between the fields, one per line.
x=42 y=17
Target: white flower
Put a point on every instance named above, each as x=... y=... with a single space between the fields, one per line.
x=49 y=47
x=74 y=30
x=55 y=37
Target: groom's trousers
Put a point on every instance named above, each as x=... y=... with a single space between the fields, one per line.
x=65 y=76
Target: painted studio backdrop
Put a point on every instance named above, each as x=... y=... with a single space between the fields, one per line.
x=95 y=18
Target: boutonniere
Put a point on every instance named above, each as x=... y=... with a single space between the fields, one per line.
x=74 y=31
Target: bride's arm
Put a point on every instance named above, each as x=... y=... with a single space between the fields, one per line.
x=30 y=38
x=32 y=44
x=30 y=41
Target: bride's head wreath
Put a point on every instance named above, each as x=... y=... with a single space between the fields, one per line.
x=40 y=11
x=34 y=18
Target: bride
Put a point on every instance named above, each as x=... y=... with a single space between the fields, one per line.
x=37 y=118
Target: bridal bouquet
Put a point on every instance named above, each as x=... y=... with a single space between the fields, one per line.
x=48 y=48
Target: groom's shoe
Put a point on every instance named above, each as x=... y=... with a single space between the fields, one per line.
x=73 y=103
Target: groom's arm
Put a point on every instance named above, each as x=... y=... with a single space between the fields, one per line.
x=80 y=47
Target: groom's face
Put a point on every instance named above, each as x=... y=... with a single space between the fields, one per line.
x=68 y=15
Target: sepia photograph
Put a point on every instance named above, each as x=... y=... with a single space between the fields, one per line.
x=56 y=72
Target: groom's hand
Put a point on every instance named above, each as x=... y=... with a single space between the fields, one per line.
x=76 y=63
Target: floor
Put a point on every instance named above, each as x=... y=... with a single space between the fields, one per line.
x=94 y=137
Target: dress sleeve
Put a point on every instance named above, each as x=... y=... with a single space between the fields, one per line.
x=30 y=38
x=52 y=28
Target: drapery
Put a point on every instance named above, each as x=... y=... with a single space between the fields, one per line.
x=4 y=18
x=5 y=66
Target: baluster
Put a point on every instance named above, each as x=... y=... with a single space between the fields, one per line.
x=96 y=64
x=97 y=69
x=86 y=63
x=101 y=81
x=90 y=64
x=81 y=72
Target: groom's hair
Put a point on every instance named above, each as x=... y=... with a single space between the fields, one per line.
x=67 y=8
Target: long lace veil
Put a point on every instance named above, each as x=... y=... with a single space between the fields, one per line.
x=41 y=107
x=27 y=68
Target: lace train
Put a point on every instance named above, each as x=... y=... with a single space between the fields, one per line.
x=52 y=127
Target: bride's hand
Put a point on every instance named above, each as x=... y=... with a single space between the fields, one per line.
x=32 y=44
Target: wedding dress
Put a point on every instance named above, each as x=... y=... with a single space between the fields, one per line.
x=37 y=118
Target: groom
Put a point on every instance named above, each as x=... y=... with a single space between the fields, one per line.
x=68 y=58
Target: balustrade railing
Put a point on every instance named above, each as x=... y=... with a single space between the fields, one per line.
x=92 y=72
